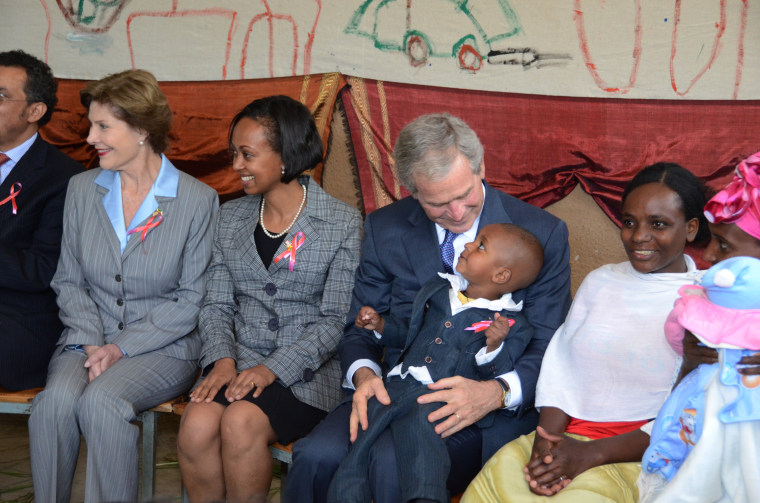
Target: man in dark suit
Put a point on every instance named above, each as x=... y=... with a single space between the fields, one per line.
x=33 y=180
x=440 y=161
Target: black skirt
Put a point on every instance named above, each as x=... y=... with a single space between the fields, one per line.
x=290 y=418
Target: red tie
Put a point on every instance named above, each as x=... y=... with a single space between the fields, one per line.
x=4 y=158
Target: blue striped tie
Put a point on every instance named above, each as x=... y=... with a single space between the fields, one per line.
x=447 y=251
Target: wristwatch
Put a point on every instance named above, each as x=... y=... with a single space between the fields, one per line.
x=507 y=396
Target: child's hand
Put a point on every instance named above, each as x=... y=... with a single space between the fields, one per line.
x=497 y=332
x=369 y=319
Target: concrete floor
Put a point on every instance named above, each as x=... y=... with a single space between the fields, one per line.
x=16 y=478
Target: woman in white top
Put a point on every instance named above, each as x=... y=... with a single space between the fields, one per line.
x=608 y=368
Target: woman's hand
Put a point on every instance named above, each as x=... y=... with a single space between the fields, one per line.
x=695 y=353
x=258 y=377
x=556 y=460
x=100 y=358
x=223 y=373
x=752 y=363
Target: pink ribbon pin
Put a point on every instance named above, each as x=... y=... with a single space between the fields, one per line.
x=298 y=240
x=12 y=197
x=479 y=326
x=152 y=222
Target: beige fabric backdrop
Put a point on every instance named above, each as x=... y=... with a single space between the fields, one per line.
x=700 y=49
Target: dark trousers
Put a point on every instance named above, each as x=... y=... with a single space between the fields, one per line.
x=316 y=458
x=420 y=452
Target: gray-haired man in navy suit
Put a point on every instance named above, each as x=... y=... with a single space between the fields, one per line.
x=440 y=161
x=33 y=180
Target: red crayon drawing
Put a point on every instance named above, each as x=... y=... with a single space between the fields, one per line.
x=231 y=15
x=591 y=66
x=270 y=16
x=49 y=28
x=680 y=89
x=720 y=29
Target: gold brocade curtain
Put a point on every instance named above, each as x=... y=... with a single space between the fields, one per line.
x=202 y=114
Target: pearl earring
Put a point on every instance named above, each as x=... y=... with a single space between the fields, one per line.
x=142 y=143
x=283 y=170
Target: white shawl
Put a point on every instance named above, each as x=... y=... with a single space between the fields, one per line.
x=610 y=360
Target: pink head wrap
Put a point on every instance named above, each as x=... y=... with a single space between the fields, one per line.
x=739 y=202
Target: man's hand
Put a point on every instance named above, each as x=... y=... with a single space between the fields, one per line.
x=367 y=385
x=369 y=319
x=100 y=358
x=467 y=401
x=223 y=373
x=496 y=332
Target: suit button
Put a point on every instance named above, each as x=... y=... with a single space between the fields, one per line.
x=447 y=324
x=428 y=359
x=118 y=278
x=438 y=340
x=119 y=302
x=121 y=326
x=308 y=374
x=270 y=289
x=273 y=324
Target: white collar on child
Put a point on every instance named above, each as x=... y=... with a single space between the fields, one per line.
x=459 y=284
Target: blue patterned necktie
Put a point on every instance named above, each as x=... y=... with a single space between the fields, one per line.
x=447 y=251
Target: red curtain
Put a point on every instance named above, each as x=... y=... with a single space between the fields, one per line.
x=539 y=148
x=202 y=112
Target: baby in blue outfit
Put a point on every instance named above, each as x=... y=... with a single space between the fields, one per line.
x=699 y=439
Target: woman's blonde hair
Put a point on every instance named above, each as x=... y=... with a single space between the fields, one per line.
x=134 y=97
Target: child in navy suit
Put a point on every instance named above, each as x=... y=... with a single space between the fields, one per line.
x=464 y=325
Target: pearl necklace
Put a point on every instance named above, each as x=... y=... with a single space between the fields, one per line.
x=261 y=217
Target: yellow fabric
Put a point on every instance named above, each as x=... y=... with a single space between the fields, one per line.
x=502 y=480
x=463 y=298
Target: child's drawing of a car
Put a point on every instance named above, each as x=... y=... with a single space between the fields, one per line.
x=408 y=26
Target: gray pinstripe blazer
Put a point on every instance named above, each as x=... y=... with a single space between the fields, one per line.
x=148 y=298
x=290 y=322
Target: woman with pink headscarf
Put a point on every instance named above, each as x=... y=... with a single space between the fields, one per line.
x=734 y=219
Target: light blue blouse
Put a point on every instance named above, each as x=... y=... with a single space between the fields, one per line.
x=165 y=185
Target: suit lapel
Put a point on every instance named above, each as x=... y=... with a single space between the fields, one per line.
x=493 y=211
x=166 y=205
x=314 y=208
x=28 y=171
x=104 y=222
x=422 y=298
x=244 y=240
x=420 y=242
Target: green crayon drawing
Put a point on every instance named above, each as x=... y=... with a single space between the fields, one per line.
x=91 y=16
x=96 y=6
x=407 y=26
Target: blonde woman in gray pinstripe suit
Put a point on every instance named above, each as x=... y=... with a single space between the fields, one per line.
x=130 y=283
x=279 y=288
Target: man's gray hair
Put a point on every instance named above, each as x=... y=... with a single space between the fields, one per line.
x=428 y=146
